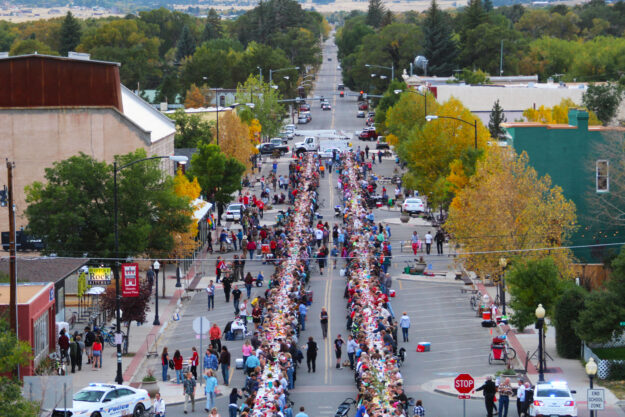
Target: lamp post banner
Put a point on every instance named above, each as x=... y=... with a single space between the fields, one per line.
x=130 y=280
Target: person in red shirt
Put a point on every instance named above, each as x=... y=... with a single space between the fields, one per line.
x=215 y=336
x=178 y=366
x=260 y=206
x=246 y=200
x=194 y=361
x=221 y=265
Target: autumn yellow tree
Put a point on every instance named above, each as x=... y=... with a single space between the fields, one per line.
x=558 y=114
x=506 y=210
x=196 y=97
x=255 y=128
x=234 y=138
x=184 y=242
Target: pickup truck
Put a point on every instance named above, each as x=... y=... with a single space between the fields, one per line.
x=310 y=144
x=270 y=148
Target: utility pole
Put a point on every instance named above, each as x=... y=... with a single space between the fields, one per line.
x=12 y=256
x=501 y=60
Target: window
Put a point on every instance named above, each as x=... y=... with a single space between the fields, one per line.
x=603 y=176
x=42 y=337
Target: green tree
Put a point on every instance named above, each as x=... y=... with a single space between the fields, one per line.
x=30 y=46
x=471 y=17
x=267 y=110
x=73 y=209
x=212 y=27
x=190 y=130
x=603 y=99
x=350 y=36
x=439 y=45
x=531 y=283
x=497 y=117
x=375 y=13
x=218 y=175
x=186 y=44
x=166 y=25
x=567 y=310
x=7 y=36
x=70 y=34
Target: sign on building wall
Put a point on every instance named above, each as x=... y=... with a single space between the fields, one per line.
x=100 y=276
x=130 y=280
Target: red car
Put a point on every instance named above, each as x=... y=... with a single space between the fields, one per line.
x=363 y=106
x=368 y=134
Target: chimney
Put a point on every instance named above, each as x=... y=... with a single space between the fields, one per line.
x=578 y=118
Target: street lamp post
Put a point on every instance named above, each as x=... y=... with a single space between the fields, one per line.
x=431 y=117
x=503 y=263
x=591 y=371
x=392 y=68
x=156 y=267
x=424 y=95
x=181 y=159
x=278 y=70
x=540 y=323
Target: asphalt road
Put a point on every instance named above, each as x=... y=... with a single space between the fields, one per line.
x=439 y=313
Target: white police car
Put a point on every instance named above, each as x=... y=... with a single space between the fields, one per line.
x=107 y=400
x=553 y=399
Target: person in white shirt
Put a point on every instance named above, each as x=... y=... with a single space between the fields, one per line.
x=351 y=350
x=428 y=242
x=404 y=323
x=520 y=398
x=159 y=406
x=319 y=237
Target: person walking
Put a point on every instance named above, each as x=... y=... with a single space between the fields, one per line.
x=188 y=389
x=419 y=411
x=323 y=319
x=302 y=315
x=428 y=242
x=165 y=363
x=178 y=366
x=73 y=353
x=520 y=398
x=311 y=354
x=414 y=240
x=439 y=238
x=158 y=406
x=490 y=389
x=404 y=323
x=97 y=353
x=215 y=337
x=64 y=346
x=236 y=298
x=210 y=291
x=352 y=346
x=227 y=284
x=195 y=359
x=249 y=282
x=233 y=406
x=224 y=362
x=89 y=339
x=505 y=391
x=210 y=383
x=338 y=350
x=221 y=265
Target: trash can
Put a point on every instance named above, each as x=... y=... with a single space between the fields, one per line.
x=486 y=315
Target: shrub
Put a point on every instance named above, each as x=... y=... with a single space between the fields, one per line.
x=567 y=309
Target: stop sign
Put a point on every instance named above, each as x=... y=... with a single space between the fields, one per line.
x=464 y=383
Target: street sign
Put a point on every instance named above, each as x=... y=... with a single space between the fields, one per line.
x=596 y=399
x=201 y=325
x=464 y=383
x=464 y=396
x=622 y=324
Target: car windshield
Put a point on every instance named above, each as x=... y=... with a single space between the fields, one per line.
x=234 y=207
x=553 y=392
x=413 y=201
x=88 y=396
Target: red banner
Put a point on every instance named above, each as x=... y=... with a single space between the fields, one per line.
x=130 y=280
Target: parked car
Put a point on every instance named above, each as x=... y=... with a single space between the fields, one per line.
x=368 y=134
x=413 y=205
x=287 y=134
x=326 y=106
x=302 y=120
x=270 y=148
x=370 y=121
x=382 y=144
x=360 y=114
x=233 y=212
x=304 y=107
x=363 y=105
x=341 y=87
x=553 y=399
x=107 y=400
x=323 y=102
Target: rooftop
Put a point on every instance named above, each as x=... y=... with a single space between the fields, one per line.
x=43 y=269
x=25 y=292
x=145 y=116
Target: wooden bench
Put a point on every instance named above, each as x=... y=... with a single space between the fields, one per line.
x=193 y=287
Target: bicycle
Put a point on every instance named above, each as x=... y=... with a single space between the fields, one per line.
x=508 y=354
x=109 y=336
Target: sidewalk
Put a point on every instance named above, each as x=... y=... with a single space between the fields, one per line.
x=570 y=370
x=140 y=337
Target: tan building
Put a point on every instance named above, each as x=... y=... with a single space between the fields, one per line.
x=52 y=108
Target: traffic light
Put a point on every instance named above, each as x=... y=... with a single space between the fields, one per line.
x=4 y=197
x=360 y=97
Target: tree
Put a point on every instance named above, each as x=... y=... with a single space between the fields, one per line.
x=267 y=110
x=506 y=206
x=439 y=45
x=132 y=308
x=472 y=16
x=375 y=13
x=190 y=130
x=197 y=97
x=497 y=117
x=603 y=99
x=599 y=321
x=186 y=44
x=567 y=309
x=218 y=175
x=234 y=139
x=212 y=28
x=70 y=34
x=532 y=282
x=558 y=114
x=30 y=46
x=73 y=209
x=185 y=242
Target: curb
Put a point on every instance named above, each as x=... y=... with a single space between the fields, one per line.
x=449 y=394
x=203 y=397
x=424 y=278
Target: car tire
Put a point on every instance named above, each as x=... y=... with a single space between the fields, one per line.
x=139 y=410
x=96 y=414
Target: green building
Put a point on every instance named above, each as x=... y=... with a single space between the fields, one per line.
x=577 y=158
